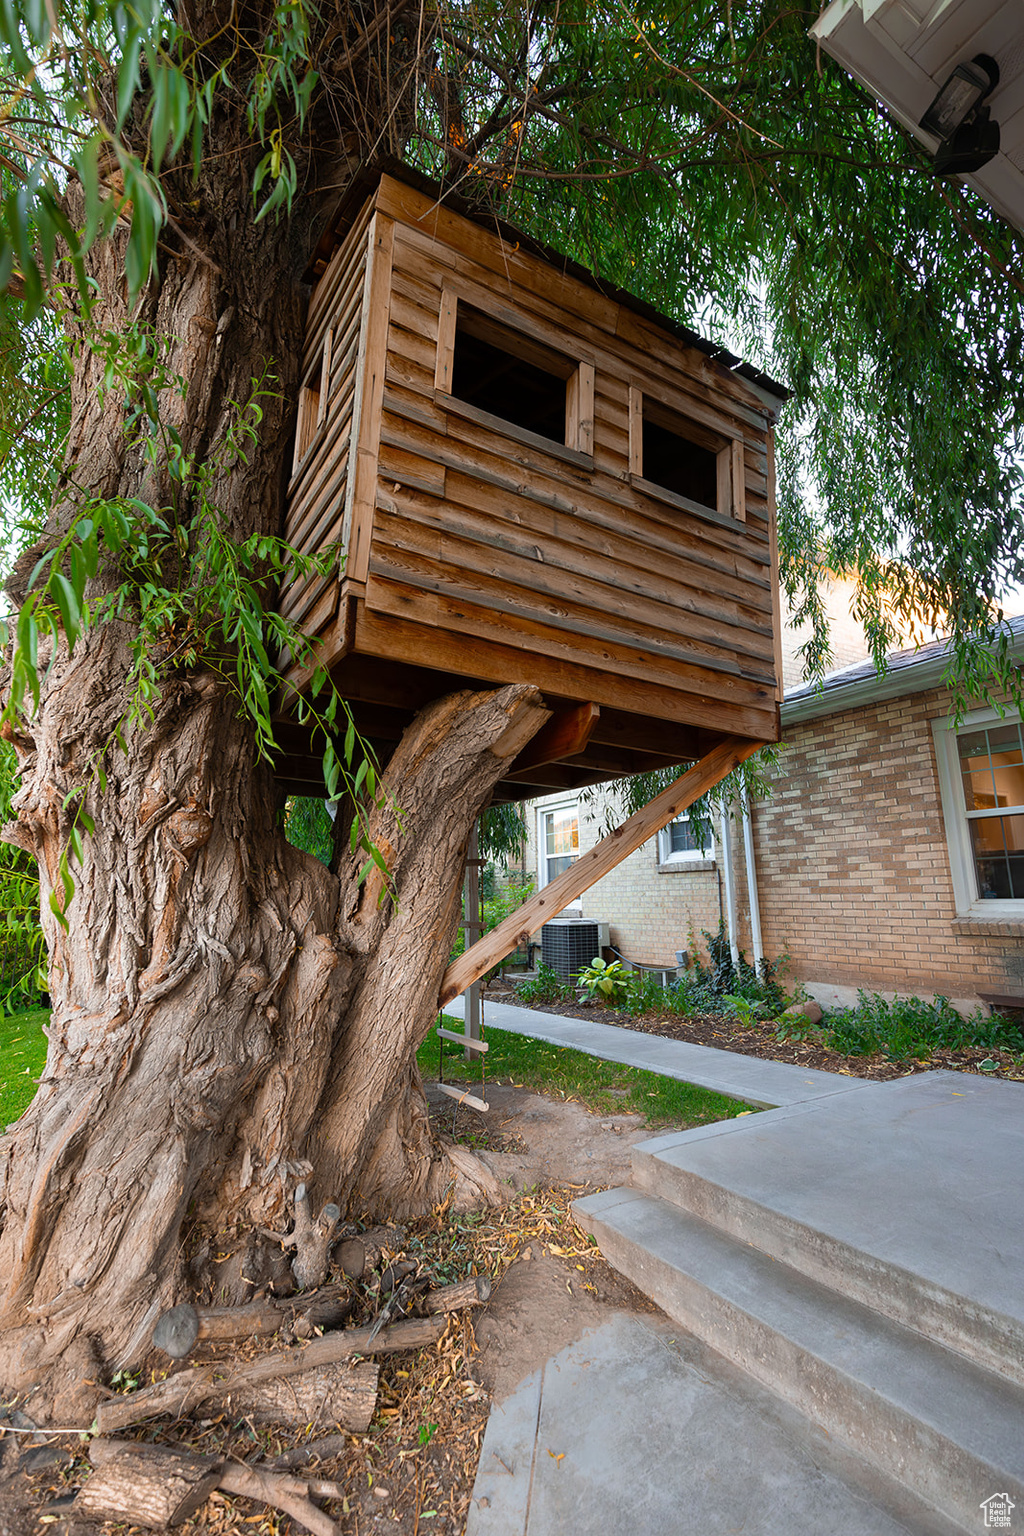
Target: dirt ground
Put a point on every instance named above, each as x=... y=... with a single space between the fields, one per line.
x=412 y=1474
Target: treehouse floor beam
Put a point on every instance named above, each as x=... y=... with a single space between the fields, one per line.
x=594 y=864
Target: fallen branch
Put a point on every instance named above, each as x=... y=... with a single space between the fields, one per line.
x=285 y=1493
x=179 y=1330
x=124 y=1467
x=467 y=1293
x=150 y=1485
x=185 y=1391
x=344 y=1394
x=313 y=1450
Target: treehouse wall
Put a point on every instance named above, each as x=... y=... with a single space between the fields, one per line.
x=478 y=546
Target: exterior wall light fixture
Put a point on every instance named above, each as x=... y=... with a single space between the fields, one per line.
x=968 y=137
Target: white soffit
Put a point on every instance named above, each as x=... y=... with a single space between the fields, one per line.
x=903 y=52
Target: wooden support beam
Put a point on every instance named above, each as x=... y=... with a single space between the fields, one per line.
x=565 y=734
x=594 y=864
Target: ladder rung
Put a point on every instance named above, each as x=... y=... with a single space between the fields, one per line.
x=463 y=1096
x=466 y=1040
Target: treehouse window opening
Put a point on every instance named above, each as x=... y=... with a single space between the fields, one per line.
x=677 y=464
x=680 y=461
x=506 y=374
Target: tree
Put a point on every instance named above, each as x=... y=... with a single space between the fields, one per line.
x=230 y=1016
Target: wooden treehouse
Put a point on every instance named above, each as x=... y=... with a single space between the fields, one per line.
x=533 y=478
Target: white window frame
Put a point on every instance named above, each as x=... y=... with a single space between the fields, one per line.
x=688 y=858
x=570 y=803
x=969 y=902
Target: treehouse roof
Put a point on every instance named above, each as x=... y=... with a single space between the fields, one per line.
x=365 y=181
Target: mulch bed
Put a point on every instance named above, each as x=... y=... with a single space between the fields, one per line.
x=726 y=1033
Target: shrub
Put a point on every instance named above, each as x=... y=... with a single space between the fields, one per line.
x=906 y=1028
x=606 y=981
x=644 y=993
x=721 y=984
x=546 y=987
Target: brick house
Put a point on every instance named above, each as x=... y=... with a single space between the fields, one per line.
x=890 y=856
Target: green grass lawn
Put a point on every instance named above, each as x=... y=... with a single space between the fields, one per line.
x=22 y=1058
x=574 y=1075
x=510 y=1059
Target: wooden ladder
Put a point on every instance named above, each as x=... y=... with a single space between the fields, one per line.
x=471 y=1039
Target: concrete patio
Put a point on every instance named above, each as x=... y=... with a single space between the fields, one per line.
x=844 y=1282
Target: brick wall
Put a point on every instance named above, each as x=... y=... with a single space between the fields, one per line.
x=650 y=911
x=853 y=868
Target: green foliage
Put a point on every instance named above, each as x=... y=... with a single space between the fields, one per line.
x=22 y=949
x=606 y=981
x=307 y=825
x=22 y=1059
x=624 y=797
x=515 y=887
x=644 y=993
x=498 y=901
x=907 y=1028
x=198 y=599
x=503 y=833
x=605 y=1086
x=723 y=984
x=706 y=156
x=62 y=61
x=546 y=987
x=746 y=1009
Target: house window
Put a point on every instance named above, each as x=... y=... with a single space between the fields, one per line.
x=675 y=459
x=981 y=777
x=678 y=848
x=560 y=847
x=496 y=374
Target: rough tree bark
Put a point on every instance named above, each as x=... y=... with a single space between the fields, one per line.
x=229 y=1017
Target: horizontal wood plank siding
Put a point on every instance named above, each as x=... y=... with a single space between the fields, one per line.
x=482 y=552
x=475 y=528
x=316 y=495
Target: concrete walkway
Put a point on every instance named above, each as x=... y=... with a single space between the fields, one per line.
x=764 y=1083
x=844 y=1273
x=638 y=1430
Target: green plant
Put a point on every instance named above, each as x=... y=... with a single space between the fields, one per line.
x=604 y=978
x=546 y=987
x=644 y=993
x=745 y=1010
x=797 y=1027
x=197 y=598
x=710 y=986
x=426 y=1433
x=908 y=1028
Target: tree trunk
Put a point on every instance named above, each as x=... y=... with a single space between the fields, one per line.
x=229 y=1017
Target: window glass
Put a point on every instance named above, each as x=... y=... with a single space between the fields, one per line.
x=678 y=843
x=680 y=838
x=992 y=770
x=561 y=841
x=998 y=845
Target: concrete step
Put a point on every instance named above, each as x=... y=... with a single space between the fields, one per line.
x=936 y=1422
x=900 y=1198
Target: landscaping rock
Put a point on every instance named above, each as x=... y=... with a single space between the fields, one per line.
x=809 y=1011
